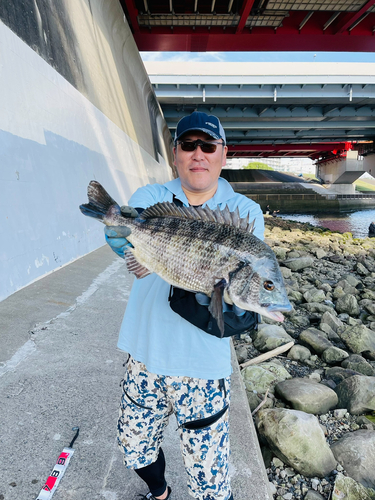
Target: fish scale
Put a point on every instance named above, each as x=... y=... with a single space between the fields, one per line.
x=201 y=250
x=192 y=266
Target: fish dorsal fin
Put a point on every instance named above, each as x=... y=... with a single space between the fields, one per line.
x=167 y=209
x=250 y=227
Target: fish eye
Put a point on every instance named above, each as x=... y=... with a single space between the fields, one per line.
x=269 y=286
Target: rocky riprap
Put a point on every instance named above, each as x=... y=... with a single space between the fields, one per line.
x=316 y=439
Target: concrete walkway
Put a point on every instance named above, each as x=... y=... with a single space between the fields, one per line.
x=59 y=368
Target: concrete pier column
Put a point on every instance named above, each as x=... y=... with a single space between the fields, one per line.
x=342 y=170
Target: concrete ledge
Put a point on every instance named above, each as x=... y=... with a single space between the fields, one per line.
x=67 y=373
x=249 y=480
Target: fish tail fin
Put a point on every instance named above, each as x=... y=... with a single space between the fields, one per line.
x=100 y=203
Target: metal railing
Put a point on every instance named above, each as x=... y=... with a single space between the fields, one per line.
x=355 y=196
x=274 y=197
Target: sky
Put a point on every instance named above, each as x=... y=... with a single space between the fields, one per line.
x=368 y=57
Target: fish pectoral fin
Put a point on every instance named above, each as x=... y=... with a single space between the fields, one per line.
x=135 y=267
x=216 y=304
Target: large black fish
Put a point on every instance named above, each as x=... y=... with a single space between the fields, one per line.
x=201 y=250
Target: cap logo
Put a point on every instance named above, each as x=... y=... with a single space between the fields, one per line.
x=212 y=125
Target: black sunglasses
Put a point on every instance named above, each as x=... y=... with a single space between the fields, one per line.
x=206 y=147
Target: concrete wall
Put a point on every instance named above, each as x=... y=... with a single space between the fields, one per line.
x=75 y=104
x=369 y=164
x=343 y=170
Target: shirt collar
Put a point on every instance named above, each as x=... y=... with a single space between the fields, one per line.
x=224 y=192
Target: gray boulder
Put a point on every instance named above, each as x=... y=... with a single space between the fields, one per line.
x=338 y=374
x=358 y=338
x=329 y=318
x=241 y=353
x=347 y=488
x=361 y=269
x=264 y=376
x=334 y=355
x=355 y=451
x=368 y=294
x=286 y=272
x=299 y=263
x=320 y=253
x=299 y=353
x=359 y=364
x=298 y=319
x=317 y=307
x=348 y=304
x=295 y=295
x=338 y=292
x=269 y=337
x=331 y=334
x=368 y=305
x=314 y=295
x=357 y=394
x=351 y=279
x=297 y=439
x=347 y=287
x=314 y=339
x=280 y=252
x=307 y=395
x=313 y=495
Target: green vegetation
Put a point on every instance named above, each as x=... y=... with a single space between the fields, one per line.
x=257 y=165
x=310 y=177
x=364 y=185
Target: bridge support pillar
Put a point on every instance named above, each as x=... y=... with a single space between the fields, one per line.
x=369 y=164
x=340 y=171
x=340 y=188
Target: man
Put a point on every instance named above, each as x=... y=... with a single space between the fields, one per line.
x=173 y=365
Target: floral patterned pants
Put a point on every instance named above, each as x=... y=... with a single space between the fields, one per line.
x=201 y=409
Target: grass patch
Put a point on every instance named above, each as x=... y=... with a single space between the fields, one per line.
x=362 y=185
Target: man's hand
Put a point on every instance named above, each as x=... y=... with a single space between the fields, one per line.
x=116 y=235
x=204 y=300
x=128 y=211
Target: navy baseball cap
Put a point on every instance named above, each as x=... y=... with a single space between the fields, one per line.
x=209 y=124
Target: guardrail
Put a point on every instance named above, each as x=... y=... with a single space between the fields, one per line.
x=315 y=196
x=273 y=197
x=355 y=196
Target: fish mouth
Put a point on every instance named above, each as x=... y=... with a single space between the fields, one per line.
x=275 y=315
x=274 y=311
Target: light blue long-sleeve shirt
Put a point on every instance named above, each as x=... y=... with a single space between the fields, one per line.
x=154 y=334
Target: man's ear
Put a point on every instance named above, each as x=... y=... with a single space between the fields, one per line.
x=224 y=159
x=174 y=157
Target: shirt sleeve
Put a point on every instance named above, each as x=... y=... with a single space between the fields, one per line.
x=146 y=196
x=247 y=206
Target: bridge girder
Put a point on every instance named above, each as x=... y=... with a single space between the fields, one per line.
x=272 y=105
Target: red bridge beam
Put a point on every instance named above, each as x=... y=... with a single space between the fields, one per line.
x=164 y=40
x=244 y=14
x=351 y=18
x=275 y=148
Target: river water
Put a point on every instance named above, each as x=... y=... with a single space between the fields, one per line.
x=356 y=222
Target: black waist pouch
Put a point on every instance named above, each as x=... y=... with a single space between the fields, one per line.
x=185 y=304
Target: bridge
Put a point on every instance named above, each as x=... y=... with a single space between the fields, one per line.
x=322 y=111
x=252 y=25
x=76 y=104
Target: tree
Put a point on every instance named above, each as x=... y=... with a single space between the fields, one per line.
x=257 y=165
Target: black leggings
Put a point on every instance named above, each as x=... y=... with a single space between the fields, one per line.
x=153 y=475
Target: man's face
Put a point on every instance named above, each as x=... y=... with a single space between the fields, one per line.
x=198 y=171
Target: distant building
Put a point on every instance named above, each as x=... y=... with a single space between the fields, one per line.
x=292 y=165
